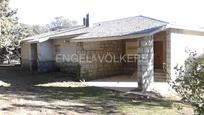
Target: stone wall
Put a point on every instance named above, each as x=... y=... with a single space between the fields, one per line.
x=25 y=56
x=87 y=50
x=26 y=64
x=97 y=68
x=145 y=68
x=129 y=68
x=66 y=49
x=168 y=55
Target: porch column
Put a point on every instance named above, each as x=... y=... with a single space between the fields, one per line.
x=145 y=65
x=168 y=55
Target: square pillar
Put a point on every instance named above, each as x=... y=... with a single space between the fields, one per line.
x=145 y=63
x=168 y=55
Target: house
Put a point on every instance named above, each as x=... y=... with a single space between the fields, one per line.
x=151 y=47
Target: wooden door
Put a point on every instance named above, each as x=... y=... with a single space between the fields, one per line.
x=158 y=54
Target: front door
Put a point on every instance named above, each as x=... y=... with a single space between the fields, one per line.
x=158 y=54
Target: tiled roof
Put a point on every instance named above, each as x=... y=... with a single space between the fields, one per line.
x=119 y=27
x=76 y=30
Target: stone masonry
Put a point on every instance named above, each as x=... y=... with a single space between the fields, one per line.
x=91 y=69
x=168 y=55
x=96 y=68
x=145 y=67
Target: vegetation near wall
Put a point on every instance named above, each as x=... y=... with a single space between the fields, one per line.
x=190 y=81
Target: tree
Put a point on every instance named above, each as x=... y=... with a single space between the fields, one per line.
x=39 y=29
x=35 y=29
x=59 y=23
x=11 y=32
x=190 y=81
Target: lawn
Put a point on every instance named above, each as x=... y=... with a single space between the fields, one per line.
x=103 y=101
x=57 y=94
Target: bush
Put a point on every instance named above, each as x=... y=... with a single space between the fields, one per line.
x=189 y=82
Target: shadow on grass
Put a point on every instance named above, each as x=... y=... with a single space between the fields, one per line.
x=95 y=100
x=101 y=98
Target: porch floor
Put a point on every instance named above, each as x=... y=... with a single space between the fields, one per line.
x=127 y=83
x=119 y=83
x=118 y=78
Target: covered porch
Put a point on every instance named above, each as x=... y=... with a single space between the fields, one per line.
x=125 y=83
x=149 y=67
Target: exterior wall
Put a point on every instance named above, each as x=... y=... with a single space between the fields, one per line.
x=129 y=68
x=179 y=44
x=46 y=60
x=94 y=69
x=26 y=56
x=37 y=56
x=66 y=49
x=99 y=69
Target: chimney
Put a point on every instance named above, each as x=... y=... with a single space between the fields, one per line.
x=87 y=20
x=84 y=21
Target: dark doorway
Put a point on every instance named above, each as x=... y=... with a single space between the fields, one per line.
x=158 y=54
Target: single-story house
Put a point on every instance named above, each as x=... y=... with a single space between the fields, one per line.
x=153 y=47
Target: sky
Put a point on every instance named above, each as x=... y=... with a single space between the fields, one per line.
x=41 y=12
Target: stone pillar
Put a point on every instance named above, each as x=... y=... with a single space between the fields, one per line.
x=168 y=55
x=145 y=65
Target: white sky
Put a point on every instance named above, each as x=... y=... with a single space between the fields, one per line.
x=183 y=12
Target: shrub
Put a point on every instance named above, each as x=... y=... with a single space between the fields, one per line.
x=189 y=82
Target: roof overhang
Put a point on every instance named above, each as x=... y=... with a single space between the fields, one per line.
x=130 y=36
x=36 y=40
x=43 y=39
x=74 y=37
x=185 y=30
